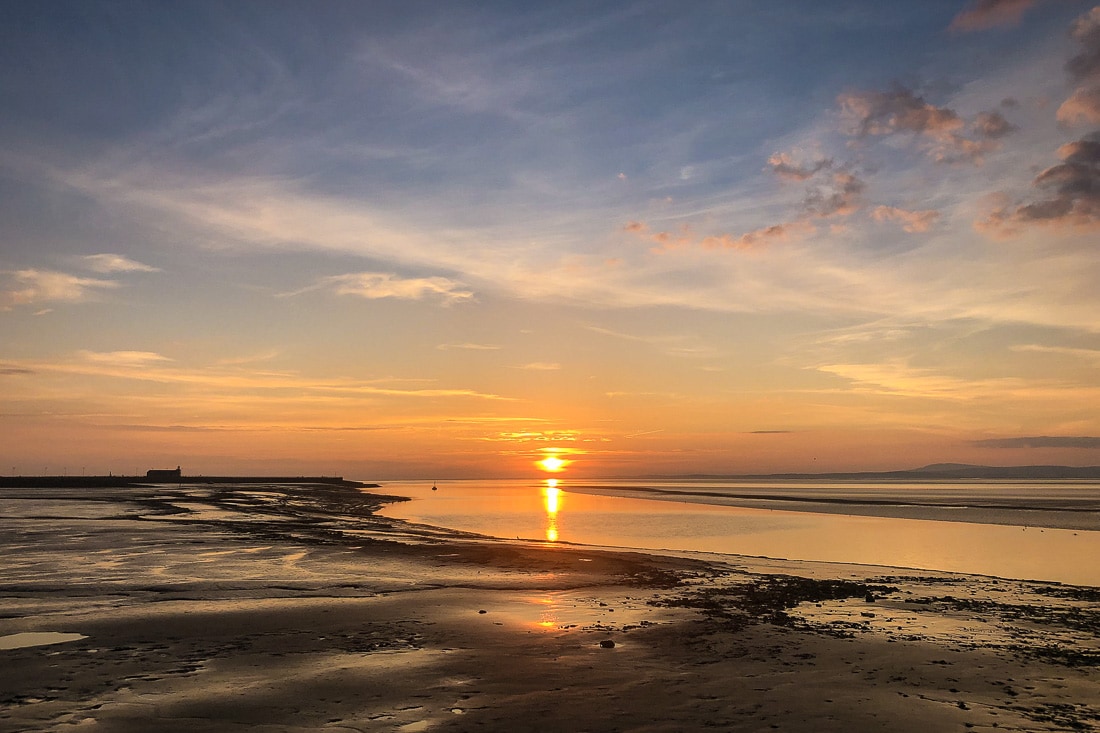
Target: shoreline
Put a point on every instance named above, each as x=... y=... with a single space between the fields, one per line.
x=102 y=482
x=1081 y=515
x=1021 y=548
x=299 y=608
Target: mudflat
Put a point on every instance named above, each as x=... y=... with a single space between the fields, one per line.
x=294 y=607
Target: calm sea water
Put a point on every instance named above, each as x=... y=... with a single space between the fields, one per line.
x=614 y=516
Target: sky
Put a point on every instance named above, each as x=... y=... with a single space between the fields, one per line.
x=448 y=240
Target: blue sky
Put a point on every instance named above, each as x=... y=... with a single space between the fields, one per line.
x=654 y=236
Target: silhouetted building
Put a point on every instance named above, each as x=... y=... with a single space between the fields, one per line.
x=164 y=474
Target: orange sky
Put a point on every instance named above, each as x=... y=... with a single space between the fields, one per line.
x=453 y=241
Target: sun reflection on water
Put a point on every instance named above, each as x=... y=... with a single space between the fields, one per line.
x=547 y=613
x=552 y=500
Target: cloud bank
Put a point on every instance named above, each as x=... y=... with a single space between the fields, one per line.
x=944 y=135
x=1041 y=441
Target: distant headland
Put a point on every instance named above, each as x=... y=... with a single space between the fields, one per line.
x=167 y=476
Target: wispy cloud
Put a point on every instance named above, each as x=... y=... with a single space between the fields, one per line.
x=1091 y=355
x=261 y=356
x=678 y=345
x=145 y=366
x=831 y=195
x=911 y=221
x=378 y=285
x=894 y=378
x=618 y=334
x=468 y=347
x=666 y=242
x=985 y=14
x=535 y=436
x=32 y=286
x=541 y=366
x=108 y=263
x=791 y=167
x=122 y=358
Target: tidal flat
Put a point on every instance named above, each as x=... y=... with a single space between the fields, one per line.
x=290 y=607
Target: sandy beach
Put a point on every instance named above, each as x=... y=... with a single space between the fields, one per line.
x=296 y=608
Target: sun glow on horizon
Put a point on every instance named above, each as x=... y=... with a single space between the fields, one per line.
x=553 y=464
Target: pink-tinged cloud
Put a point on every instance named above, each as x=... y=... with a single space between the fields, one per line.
x=48 y=286
x=829 y=199
x=910 y=221
x=1085 y=66
x=985 y=14
x=898 y=110
x=947 y=137
x=663 y=241
x=762 y=237
x=1071 y=188
x=1082 y=106
x=667 y=242
x=991 y=126
x=842 y=197
x=788 y=168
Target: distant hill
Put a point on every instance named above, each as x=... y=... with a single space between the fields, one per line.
x=941 y=467
x=935 y=470
x=958 y=470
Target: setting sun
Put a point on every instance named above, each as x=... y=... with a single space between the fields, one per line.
x=552 y=464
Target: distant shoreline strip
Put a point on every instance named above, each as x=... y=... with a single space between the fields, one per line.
x=672 y=493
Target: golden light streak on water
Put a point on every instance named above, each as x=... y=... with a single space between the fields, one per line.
x=552 y=500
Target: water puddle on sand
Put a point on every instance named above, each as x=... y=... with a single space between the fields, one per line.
x=37 y=638
x=557 y=611
x=417 y=727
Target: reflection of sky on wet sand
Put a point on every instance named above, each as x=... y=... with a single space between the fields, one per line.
x=37 y=638
x=529 y=510
x=566 y=610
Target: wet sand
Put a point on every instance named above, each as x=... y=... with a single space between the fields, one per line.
x=295 y=608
